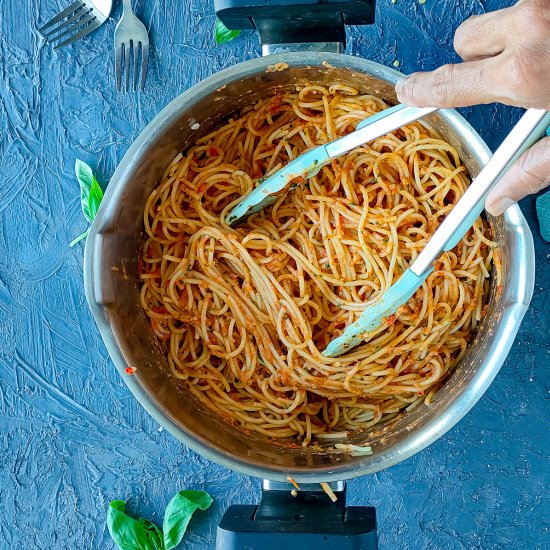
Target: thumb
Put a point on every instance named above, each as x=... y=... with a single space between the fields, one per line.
x=449 y=86
x=528 y=175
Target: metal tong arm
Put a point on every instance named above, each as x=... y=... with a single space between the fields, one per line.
x=525 y=133
x=308 y=164
x=394 y=118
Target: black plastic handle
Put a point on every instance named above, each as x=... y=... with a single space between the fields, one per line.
x=295 y=21
x=307 y=521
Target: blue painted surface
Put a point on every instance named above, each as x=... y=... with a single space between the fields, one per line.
x=72 y=437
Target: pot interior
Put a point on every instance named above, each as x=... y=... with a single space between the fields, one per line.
x=118 y=235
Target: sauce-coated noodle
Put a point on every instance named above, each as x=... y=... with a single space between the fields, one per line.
x=245 y=313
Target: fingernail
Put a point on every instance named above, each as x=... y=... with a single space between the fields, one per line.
x=499 y=206
x=400 y=85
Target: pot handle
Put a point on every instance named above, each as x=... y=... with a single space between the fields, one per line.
x=302 y=519
x=287 y=25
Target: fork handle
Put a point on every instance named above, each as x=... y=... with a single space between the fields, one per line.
x=127 y=5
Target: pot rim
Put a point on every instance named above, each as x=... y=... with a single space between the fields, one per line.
x=510 y=320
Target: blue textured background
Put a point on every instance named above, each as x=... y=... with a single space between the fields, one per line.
x=71 y=436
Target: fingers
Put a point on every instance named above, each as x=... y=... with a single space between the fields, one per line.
x=530 y=174
x=460 y=85
x=482 y=36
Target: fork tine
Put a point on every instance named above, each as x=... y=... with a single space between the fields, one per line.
x=118 y=65
x=135 y=76
x=86 y=30
x=144 y=64
x=77 y=15
x=73 y=28
x=129 y=62
x=61 y=15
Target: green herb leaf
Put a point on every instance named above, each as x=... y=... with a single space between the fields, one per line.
x=94 y=199
x=85 y=178
x=87 y=182
x=178 y=514
x=223 y=34
x=90 y=194
x=79 y=238
x=154 y=531
x=128 y=533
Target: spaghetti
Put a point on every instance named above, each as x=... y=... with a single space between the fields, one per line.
x=245 y=313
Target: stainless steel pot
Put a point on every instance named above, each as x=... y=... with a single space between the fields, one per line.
x=113 y=294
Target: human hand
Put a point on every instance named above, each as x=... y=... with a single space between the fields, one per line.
x=506 y=57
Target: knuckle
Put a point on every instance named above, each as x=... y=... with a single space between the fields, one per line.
x=533 y=16
x=412 y=89
x=461 y=36
x=442 y=85
x=534 y=167
x=518 y=74
x=533 y=185
x=522 y=76
x=465 y=33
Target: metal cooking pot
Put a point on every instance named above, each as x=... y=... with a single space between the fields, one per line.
x=112 y=287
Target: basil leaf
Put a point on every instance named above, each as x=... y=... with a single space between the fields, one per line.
x=178 y=514
x=90 y=194
x=118 y=505
x=127 y=533
x=155 y=534
x=94 y=199
x=85 y=178
x=79 y=238
x=223 y=34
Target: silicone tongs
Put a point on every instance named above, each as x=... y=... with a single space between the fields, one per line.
x=308 y=164
x=530 y=128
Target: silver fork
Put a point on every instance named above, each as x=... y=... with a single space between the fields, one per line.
x=79 y=19
x=130 y=36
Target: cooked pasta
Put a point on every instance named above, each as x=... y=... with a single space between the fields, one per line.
x=244 y=314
